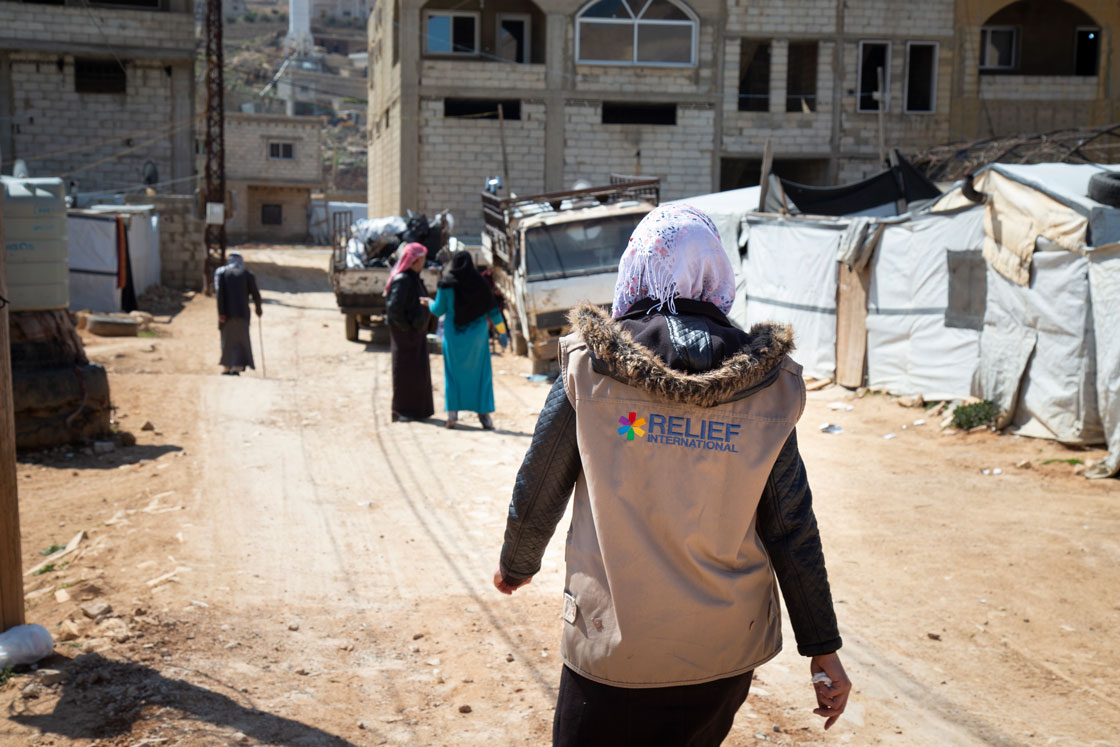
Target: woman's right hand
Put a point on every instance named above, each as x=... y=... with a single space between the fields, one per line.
x=425 y=300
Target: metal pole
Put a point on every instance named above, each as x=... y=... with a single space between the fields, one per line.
x=881 y=94
x=260 y=339
x=11 y=568
x=215 y=138
x=505 y=161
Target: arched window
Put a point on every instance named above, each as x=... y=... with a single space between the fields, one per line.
x=636 y=32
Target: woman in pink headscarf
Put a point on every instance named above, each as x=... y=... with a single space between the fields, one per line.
x=407 y=315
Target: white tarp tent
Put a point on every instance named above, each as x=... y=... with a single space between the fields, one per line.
x=789 y=271
x=94 y=263
x=1049 y=354
x=322 y=213
x=921 y=338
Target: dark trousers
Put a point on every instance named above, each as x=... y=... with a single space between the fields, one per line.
x=589 y=714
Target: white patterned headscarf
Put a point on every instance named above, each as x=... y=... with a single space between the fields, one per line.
x=675 y=252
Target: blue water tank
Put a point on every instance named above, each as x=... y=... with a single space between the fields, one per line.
x=33 y=215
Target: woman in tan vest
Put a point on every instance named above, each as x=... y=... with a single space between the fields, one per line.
x=674 y=432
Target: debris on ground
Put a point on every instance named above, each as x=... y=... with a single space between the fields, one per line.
x=830 y=428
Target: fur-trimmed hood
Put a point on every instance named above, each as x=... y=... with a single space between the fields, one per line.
x=615 y=353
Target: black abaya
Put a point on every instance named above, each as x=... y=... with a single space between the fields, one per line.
x=408 y=339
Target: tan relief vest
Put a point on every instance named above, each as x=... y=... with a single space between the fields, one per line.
x=667 y=580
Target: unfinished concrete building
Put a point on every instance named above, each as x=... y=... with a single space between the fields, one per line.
x=273 y=163
x=99 y=92
x=691 y=90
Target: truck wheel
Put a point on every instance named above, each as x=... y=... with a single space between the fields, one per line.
x=518 y=343
x=352 y=327
x=380 y=334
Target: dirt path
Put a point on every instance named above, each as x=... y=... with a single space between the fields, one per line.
x=285 y=566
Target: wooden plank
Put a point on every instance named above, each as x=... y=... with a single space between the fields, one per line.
x=851 y=325
x=764 y=175
x=11 y=578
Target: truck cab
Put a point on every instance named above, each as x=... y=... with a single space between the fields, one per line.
x=550 y=251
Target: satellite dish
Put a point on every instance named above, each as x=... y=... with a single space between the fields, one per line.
x=150 y=173
x=20 y=170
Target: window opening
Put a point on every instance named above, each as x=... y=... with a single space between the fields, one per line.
x=481 y=108
x=872 y=57
x=99 y=76
x=636 y=32
x=1087 y=52
x=801 y=77
x=620 y=112
x=451 y=33
x=999 y=48
x=272 y=215
x=754 y=75
x=513 y=37
x=921 y=77
x=281 y=151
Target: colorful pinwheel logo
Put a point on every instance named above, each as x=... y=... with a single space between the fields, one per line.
x=631 y=426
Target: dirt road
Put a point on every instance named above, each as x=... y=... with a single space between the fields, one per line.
x=284 y=566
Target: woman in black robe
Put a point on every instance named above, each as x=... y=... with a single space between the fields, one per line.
x=407 y=315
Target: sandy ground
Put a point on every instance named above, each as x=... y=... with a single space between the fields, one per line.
x=284 y=566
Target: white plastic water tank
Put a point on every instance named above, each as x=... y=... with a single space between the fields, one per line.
x=35 y=248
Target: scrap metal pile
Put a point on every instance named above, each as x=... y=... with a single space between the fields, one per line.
x=1083 y=145
x=373 y=241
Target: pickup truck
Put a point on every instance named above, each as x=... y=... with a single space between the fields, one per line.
x=360 y=291
x=550 y=251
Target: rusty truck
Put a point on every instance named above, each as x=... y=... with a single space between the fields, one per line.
x=550 y=251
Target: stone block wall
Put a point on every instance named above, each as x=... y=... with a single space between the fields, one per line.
x=457 y=154
x=790 y=132
x=763 y=17
x=890 y=18
x=681 y=154
x=182 y=239
x=245 y=223
x=248 y=137
x=1025 y=88
x=384 y=159
x=468 y=74
x=24 y=26
x=122 y=130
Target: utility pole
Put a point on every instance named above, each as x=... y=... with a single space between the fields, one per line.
x=11 y=568
x=215 y=144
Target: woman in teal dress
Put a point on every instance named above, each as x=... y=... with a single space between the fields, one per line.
x=468 y=306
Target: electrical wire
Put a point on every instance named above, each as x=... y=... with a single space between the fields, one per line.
x=125 y=152
x=77 y=149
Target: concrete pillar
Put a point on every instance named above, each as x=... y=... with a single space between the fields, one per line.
x=182 y=137
x=7 y=111
x=410 y=104
x=779 y=63
x=558 y=63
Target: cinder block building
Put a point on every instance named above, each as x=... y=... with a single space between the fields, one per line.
x=93 y=90
x=273 y=163
x=691 y=90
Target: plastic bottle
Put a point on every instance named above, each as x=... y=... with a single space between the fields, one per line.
x=24 y=644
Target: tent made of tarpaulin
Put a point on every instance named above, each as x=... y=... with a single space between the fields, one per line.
x=922 y=326
x=789 y=272
x=728 y=210
x=321 y=217
x=1050 y=345
x=114 y=256
x=923 y=310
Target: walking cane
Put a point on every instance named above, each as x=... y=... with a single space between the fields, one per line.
x=260 y=339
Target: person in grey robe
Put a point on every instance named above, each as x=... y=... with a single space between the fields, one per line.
x=233 y=286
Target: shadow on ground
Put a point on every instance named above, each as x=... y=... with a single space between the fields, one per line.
x=103 y=699
x=79 y=460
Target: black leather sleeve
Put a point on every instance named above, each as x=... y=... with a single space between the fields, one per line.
x=544 y=485
x=788 y=529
